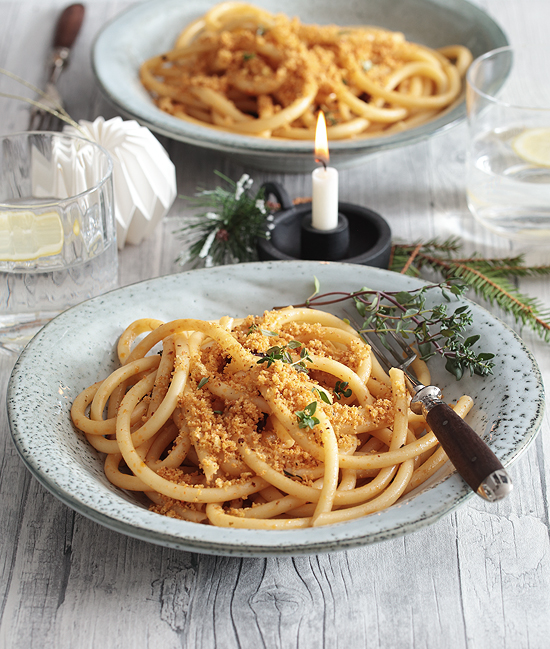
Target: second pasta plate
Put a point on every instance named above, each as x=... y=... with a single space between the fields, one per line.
x=70 y=353
x=151 y=28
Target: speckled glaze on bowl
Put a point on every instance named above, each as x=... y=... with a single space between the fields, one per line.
x=151 y=28
x=78 y=348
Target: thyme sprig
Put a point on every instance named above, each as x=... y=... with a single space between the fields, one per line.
x=305 y=417
x=265 y=332
x=341 y=390
x=324 y=395
x=227 y=230
x=282 y=353
x=435 y=330
x=491 y=279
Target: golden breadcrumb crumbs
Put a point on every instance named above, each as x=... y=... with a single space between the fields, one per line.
x=231 y=410
x=278 y=62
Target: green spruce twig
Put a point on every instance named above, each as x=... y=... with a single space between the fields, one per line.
x=490 y=279
x=226 y=231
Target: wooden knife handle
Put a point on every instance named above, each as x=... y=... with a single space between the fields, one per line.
x=68 y=26
x=471 y=456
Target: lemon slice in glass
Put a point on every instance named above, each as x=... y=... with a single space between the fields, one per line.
x=533 y=145
x=25 y=236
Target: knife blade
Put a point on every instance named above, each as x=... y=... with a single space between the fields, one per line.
x=67 y=29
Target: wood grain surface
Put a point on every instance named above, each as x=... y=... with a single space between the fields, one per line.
x=479 y=578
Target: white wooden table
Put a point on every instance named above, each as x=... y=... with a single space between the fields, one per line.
x=479 y=578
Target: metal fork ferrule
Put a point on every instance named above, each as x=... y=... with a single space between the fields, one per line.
x=497 y=485
x=426 y=398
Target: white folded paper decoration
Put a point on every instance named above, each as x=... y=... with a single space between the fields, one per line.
x=67 y=170
x=144 y=177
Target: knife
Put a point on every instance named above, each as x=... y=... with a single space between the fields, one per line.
x=66 y=32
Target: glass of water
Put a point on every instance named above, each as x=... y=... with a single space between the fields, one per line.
x=508 y=161
x=57 y=229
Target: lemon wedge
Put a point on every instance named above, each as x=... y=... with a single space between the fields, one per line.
x=25 y=236
x=533 y=145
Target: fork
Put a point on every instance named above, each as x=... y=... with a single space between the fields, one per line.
x=471 y=456
x=68 y=27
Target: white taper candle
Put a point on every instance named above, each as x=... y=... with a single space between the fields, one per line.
x=324 y=195
x=324 y=198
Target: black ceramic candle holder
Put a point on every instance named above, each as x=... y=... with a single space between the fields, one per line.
x=361 y=237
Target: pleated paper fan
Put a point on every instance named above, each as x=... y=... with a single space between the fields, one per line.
x=144 y=177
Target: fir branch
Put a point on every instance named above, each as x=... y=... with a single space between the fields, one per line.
x=490 y=279
x=523 y=308
x=226 y=231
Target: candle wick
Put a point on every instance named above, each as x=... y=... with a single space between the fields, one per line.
x=323 y=162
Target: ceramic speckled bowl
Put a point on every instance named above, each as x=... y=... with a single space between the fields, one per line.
x=151 y=28
x=78 y=348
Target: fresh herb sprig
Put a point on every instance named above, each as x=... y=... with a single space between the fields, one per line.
x=305 y=417
x=434 y=329
x=324 y=395
x=226 y=232
x=265 y=332
x=282 y=353
x=341 y=390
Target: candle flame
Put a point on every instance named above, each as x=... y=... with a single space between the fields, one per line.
x=321 y=140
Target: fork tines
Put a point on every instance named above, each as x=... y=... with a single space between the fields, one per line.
x=384 y=343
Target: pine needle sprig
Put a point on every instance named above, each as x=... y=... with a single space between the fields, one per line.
x=491 y=279
x=500 y=291
x=227 y=230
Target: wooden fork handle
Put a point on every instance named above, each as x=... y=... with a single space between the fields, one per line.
x=68 y=26
x=471 y=456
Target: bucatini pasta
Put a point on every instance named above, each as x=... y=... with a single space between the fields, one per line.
x=279 y=421
x=243 y=69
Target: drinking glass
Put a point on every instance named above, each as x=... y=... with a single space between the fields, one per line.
x=508 y=160
x=57 y=230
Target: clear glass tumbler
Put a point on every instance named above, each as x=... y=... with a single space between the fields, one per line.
x=57 y=229
x=508 y=161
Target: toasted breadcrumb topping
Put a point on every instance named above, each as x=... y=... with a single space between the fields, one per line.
x=232 y=408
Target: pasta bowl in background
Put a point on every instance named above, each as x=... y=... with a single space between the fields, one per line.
x=148 y=29
x=69 y=354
